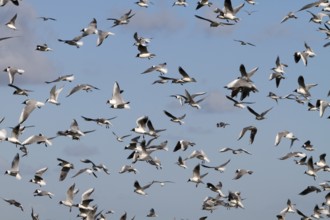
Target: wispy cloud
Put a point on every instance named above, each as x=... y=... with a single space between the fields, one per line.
x=19 y=52
x=215 y=102
x=80 y=150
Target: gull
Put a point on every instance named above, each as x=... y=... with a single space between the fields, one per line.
x=251 y=2
x=199 y=154
x=293 y=154
x=197 y=177
x=91 y=29
x=33 y=215
x=11 y=24
x=85 y=170
x=69 y=197
x=96 y=167
x=180 y=3
x=141 y=123
x=14 y=135
x=161 y=68
x=238 y=104
x=327 y=200
x=322 y=105
x=202 y=3
x=289 y=16
x=14 y=202
x=313 y=4
x=189 y=99
x=222 y=124
x=308 y=52
x=152 y=213
x=39 y=192
x=260 y=116
x=250 y=12
x=309 y=189
x=240 y=172
x=288 y=209
x=308 y=146
x=128 y=168
x=221 y=168
x=37 y=179
x=216 y=188
x=14 y=170
x=285 y=134
x=39 y=138
x=247 y=75
x=279 y=66
x=322 y=162
x=228 y=12
x=302 y=161
x=183 y=145
x=69 y=78
x=86 y=87
x=274 y=96
x=144 y=41
x=53 y=95
x=85 y=200
x=123 y=19
x=317 y=18
x=74 y=132
x=101 y=36
x=253 y=131
x=304 y=217
x=181 y=163
x=234 y=200
x=100 y=121
x=163 y=182
x=245 y=43
x=12 y=71
x=43 y=47
x=325 y=186
x=120 y=138
x=144 y=53
x=66 y=167
x=117 y=101
x=241 y=85
x=140 y=189
x=312 y=107
x=76 y=41
x=303 y=89
x=212 y=22
x=174 y=118
x=319 y=211
x=185 y=77
x=4 y=2
x=278 y=77
x=234 y=151
x=311 y=171
x=47 y=18
x=152 y=131
x=143 y=3
x=20 y=91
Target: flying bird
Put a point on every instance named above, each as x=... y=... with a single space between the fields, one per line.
x=11 y=23
x=197 y=177
x=86 y=87
x=260 y=116
x=14 y=170
x=69 y=78
x=212 y=22
x=286 y=134
x=253 y=131
x=174 y=118
x=125 y=19
x=245 y=43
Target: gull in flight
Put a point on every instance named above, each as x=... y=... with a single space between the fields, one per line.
x=11 y=24
x=161 y=68
x=303 y=89
x=123 y=19
x=66 y=167
x=140 y=189
x=14 y=202
x=76 y=41
x=285 y=134
x=197 y=177
x=53 y=95
x=86 y=87
x=202 y=3
x=238 y=104
x=308 y=52
x=14 y=170
x=20 y=91
x=69 y=78
x=260 y=116
x=91 y=29
x=245 y=43
x=117 y=101
x=12 y=71
x=120 y=138
x=228 y=12
x=37 y=179
x=212 y=22
x=174 y=118
x=221 y=168
x=100 y=121
x=290 y=15
x=30 y=105
x=253 y=131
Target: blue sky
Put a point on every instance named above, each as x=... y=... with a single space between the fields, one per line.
x=211 y=56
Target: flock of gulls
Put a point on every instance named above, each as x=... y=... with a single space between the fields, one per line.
x=150 y=148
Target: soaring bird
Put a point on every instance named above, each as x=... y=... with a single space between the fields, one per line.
x=253 y=131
